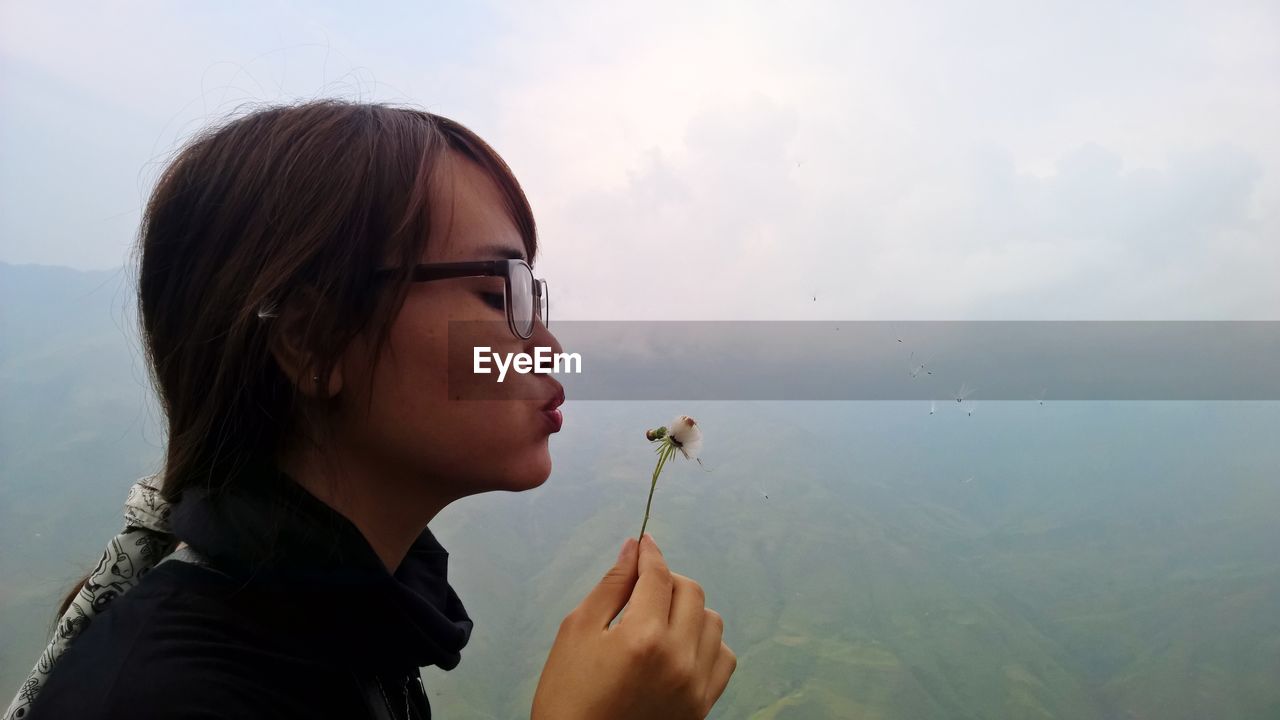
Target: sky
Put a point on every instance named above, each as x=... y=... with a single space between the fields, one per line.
x=727 y=161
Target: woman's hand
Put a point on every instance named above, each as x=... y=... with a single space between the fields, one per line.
x=664 y=660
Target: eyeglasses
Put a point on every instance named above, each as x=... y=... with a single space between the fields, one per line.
x=525 y=296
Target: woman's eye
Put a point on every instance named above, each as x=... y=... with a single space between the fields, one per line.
x=494 y=300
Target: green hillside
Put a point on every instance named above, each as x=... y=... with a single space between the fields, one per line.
x=1107 y=560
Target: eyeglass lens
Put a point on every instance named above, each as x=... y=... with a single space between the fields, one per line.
x=544 y=304
x=522 y=301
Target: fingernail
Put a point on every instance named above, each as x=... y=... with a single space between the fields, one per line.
x=626 y=547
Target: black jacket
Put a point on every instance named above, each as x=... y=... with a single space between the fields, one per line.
x=295 y=617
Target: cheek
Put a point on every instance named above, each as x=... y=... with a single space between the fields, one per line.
x=413 y=419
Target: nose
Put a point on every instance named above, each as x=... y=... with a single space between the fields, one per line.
x=542 y=337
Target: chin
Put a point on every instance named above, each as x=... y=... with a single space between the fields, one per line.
x=533 y=472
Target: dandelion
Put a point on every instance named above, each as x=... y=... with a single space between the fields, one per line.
x=683 y=435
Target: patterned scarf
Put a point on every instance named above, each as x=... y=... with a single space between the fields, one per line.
x=129 y=556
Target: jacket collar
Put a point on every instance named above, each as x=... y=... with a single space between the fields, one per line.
x=328 y=585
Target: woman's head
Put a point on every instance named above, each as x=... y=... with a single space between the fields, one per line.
x=295 y=209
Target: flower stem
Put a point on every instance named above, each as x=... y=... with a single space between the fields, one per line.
x=667 y=450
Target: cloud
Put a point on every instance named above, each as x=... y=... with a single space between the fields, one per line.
x=912 y=160
x=733 y=221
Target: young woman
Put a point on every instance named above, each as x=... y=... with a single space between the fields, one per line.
x=299 y=268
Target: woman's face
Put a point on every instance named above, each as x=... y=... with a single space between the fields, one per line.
x=417 y=426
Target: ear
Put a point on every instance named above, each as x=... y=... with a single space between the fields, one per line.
x=295 y=361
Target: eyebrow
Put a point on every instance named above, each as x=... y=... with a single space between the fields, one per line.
x=504 y=251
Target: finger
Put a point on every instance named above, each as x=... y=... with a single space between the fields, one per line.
x=726 y=663
x=711 y=640
x=651 y=600
x=688 y=607
x=608 y=597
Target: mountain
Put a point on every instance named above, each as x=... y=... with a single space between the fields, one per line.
x=1066 y=560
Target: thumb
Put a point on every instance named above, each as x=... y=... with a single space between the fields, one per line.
x=611 y=594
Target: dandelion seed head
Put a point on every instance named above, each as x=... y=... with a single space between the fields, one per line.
x=686 y=435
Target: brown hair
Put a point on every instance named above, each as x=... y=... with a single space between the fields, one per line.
x=289 y=207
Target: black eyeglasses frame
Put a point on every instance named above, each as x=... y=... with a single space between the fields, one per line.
x=427 y=272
